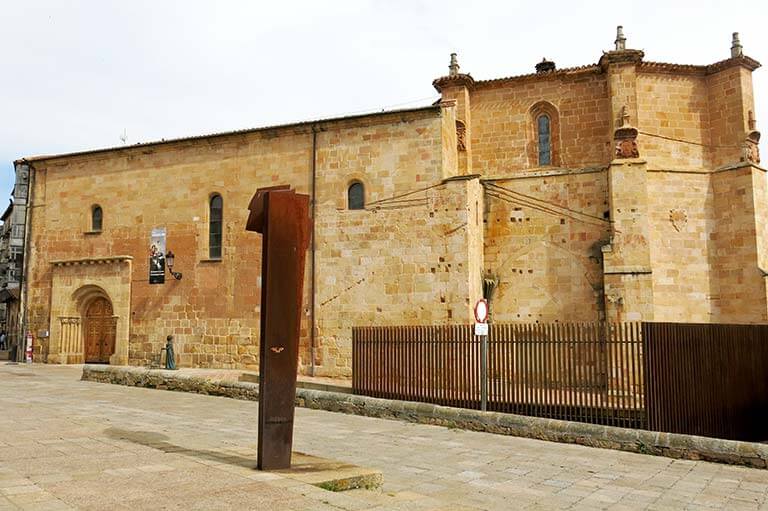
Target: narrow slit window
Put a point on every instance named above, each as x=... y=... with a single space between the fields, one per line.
x=216 y=215
x=356 y=196
x=96 y=218
x=545 y=140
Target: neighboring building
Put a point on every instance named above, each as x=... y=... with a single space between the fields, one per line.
x=622 y=190
x=5 y=265
x=12 y=243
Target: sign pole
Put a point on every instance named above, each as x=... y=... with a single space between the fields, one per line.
x=481 y=331
x=483 y=372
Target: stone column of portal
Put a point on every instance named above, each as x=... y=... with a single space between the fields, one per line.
x=457 y=87
x=626 y=260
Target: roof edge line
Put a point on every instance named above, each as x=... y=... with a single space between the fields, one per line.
x=246 y=131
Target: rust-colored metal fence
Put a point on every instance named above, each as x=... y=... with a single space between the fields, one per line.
x=707 y=379
x=704 y=379
x=433 y=364
x=589 y=372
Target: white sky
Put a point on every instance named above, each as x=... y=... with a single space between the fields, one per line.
x=75 y=75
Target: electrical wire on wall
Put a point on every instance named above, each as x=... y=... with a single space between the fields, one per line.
x=544 y=206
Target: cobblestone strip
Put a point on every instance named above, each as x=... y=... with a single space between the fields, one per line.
x=608 y=437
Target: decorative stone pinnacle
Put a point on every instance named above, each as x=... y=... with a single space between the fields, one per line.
x=453 y=68
x=621 y=41
x=736 y=48
x=751 y=122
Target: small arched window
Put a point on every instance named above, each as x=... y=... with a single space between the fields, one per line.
x=356 y=196
x=544 y=137
x=216 y=217
x=96 y=218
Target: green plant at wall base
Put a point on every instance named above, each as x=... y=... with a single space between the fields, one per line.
x=643 y=448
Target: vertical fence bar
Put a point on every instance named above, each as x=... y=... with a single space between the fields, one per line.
x=528 y=369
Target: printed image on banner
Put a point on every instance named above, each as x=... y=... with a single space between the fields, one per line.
x=157 y=256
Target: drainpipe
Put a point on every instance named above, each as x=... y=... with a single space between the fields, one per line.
x=312 y=337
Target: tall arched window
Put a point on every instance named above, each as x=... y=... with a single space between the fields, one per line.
x=543 y=147
x=96 y=218
x=544 y=136
x=216 y=217
x=356 y=196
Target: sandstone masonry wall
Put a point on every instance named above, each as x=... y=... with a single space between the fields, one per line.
x=502 y=130
x=542 y=240
x=214 y=310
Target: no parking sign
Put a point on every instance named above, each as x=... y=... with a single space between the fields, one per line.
x=481 y=316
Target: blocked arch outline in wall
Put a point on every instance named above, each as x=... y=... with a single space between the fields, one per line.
x=537 y=110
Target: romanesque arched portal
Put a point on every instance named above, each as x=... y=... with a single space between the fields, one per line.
x=99 y=331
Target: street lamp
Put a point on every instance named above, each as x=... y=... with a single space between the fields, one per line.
x=169 y=258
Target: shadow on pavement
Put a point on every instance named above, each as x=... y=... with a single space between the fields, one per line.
x=160 y=442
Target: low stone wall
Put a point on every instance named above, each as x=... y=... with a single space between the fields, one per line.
x=633 y=440
x=170 y=380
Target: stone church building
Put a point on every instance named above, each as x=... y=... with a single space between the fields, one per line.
x=622 y=190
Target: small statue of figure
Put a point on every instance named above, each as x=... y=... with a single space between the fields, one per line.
x=170 y=357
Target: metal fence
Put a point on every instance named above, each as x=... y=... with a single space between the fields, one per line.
x=709 y=380
x=589 y=372
x=575 y=371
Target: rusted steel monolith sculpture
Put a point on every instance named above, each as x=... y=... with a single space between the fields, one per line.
x=281 y=216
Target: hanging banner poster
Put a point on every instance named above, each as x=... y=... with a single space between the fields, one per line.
x=157 y=256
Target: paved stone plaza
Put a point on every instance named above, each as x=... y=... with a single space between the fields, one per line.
x=67 y=444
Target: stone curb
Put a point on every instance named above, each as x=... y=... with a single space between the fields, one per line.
x=671 y=445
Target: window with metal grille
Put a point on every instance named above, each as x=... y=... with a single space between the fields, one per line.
x=356 y=196
x=545 y=140
x=216 y=216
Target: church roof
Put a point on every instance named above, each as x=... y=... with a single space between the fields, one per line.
x=300 y=124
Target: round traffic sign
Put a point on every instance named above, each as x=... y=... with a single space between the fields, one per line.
x=481 y=311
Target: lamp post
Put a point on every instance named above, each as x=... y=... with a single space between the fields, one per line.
x=169 y=259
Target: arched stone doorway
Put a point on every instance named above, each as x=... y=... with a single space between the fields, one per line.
x=90 y=298
x=99 y=329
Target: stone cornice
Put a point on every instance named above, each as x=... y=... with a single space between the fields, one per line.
x=554 y=172
x=93 y=260
x=621 y=57
x=459 y=80
x=687 y=69
x=743 y=61
x=546 y=75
